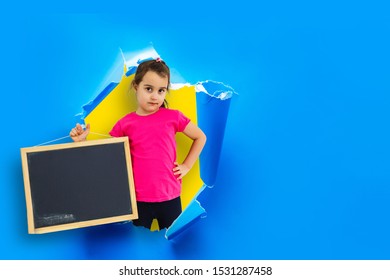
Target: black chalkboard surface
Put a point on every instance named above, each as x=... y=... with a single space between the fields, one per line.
x=78 y=184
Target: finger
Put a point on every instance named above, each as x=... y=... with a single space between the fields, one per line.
x=79 y=129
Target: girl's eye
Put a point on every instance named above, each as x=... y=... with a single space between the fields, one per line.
x=161 y=91
x=149 y=89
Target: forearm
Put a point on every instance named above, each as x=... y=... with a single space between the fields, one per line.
x=194 y=152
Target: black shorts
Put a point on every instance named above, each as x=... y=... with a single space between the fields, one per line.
x=165 y=212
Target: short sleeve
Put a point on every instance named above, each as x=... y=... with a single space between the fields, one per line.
x=116 y=131
x=183 y=121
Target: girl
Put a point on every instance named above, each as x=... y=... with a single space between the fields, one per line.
x=151 y=131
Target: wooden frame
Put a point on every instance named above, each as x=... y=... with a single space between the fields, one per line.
x=52 y=183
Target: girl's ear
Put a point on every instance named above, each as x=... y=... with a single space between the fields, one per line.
x=134 y=85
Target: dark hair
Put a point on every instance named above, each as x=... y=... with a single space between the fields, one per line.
x=157 y=66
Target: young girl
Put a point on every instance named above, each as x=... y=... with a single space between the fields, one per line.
x=151 y=131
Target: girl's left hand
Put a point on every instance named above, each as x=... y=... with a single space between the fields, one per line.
x=180 y=170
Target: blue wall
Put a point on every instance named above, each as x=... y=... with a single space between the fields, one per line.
x=305 y=164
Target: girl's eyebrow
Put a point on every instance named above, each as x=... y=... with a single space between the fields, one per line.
x=147 y=85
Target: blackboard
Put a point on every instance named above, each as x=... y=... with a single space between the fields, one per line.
x=78 y=184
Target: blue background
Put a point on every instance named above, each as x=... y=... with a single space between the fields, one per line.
x=304 y=168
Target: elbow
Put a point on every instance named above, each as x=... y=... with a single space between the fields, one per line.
x=204 y=138
x=200 y=139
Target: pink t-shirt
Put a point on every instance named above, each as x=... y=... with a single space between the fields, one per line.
x=153 y=152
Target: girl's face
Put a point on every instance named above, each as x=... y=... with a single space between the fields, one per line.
x=150 y=93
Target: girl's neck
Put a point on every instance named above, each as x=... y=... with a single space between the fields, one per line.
x=140 y=112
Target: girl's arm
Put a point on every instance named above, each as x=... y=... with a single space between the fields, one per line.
x=195 y=133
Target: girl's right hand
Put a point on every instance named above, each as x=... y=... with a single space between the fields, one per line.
x=78 y=133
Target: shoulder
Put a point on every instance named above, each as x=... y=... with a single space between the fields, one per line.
x=171 y=112
x=179 y=120
x=127 y=117
x=124 y=121
x=167 y=110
